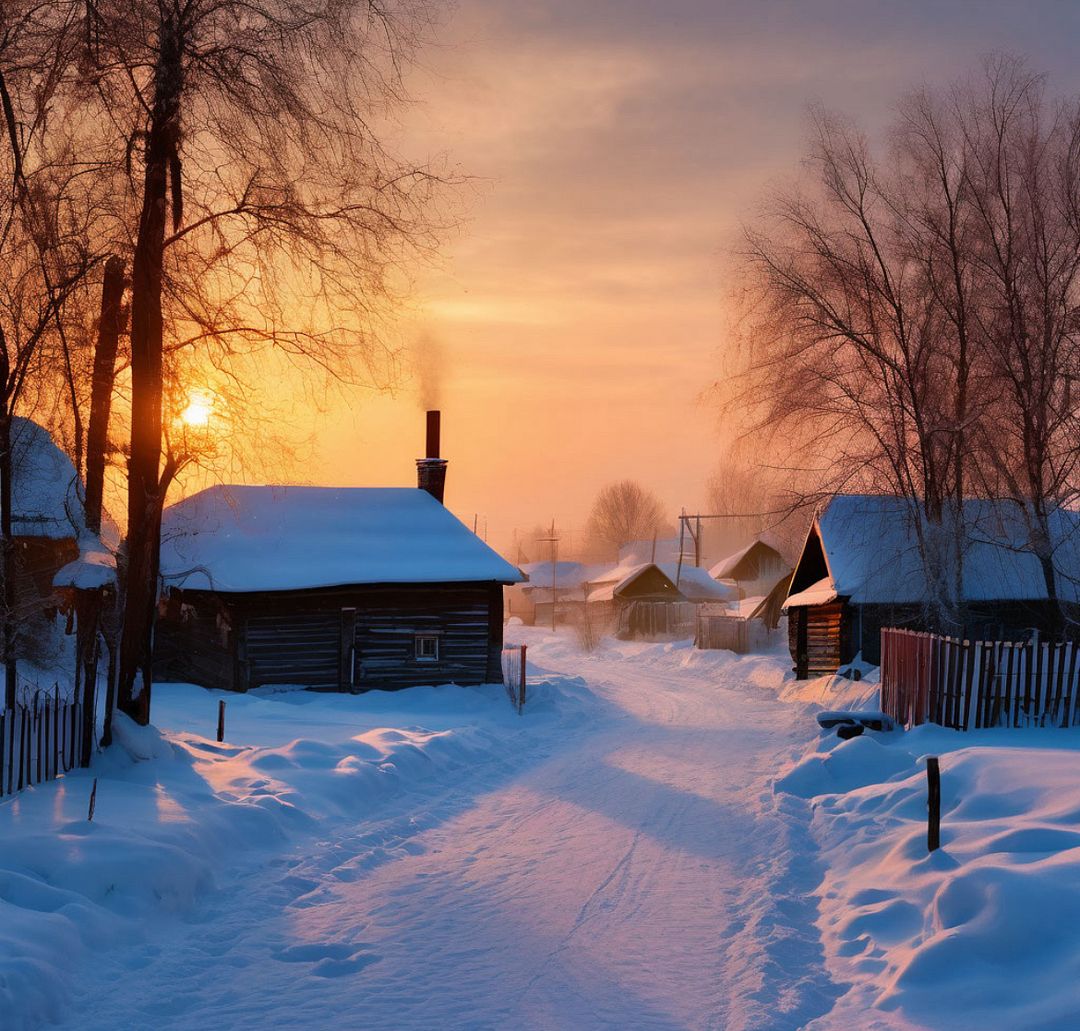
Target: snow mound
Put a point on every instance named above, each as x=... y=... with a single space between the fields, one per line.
x=176 y=808
x=979 y=933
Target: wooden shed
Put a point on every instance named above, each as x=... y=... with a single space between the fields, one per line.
x=756 y=568
x=343 y=589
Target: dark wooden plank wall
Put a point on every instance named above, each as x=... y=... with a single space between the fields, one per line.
x=293 y=648
x=195 y=646
x=299 y=637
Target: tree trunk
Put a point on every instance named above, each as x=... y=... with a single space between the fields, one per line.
x=90 y=608
x=144 y=488
x=110 y=326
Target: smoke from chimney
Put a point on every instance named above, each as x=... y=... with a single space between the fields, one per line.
x=428 y=362
x=431 y=470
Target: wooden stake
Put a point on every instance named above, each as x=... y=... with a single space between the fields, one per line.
x=221 y=720
x=521 y=696
x=93 y=802
x=933 y=821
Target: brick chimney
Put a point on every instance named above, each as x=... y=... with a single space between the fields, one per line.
x=431 y=471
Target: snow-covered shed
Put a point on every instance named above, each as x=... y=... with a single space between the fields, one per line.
x=642 y=600
x=697 y=585
x=334 y=588
x=861 y=569
x=756 y=567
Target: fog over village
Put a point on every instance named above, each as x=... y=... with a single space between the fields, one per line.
x=539 y=515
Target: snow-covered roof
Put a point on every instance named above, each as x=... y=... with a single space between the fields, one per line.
x=696 y=584
x=872 y=554
x=820 y=593
x=610 y=583
x=237 y=539
x=44 y=485
x=726 y=567
x=95 y=567
x=567 y=574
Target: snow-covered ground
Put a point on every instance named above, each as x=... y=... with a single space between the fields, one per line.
x=980 y=934
x=663 y=840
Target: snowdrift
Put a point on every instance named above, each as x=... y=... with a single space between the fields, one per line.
x=980 y=933
x=175 y=809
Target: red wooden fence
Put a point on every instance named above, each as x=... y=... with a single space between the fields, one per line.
x=927 y=678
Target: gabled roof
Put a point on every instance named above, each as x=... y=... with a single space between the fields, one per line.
x=865 y=548
x=728 y=568
x=568 y=575
x=239 y=539
x=696 y=584
x=618 y=579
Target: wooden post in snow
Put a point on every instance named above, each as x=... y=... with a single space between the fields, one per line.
x=521 y=694
x=933 y=804
x=221 y=720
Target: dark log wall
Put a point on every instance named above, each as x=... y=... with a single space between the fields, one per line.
x=335 y=639
x=195 y=642
x=300 y=648
x=828 y=636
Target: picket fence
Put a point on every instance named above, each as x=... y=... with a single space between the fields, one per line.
x=967 y=685
x=513 y=673
x=40 y=739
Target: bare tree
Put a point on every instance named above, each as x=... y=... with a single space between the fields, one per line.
x=918 y=315
x=624 y=512
x=269 y=215
x=44 y=228
x=1023 y=167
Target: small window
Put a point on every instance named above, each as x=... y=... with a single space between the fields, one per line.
x=427 y=648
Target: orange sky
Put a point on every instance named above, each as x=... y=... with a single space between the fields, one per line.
x=579 y=312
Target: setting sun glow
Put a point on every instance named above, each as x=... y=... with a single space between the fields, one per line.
x=198 y=411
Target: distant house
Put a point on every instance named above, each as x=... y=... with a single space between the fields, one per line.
x=756 y=568
x=335 y=588
x=532 y=601
x=860 y=569
x=644 y=601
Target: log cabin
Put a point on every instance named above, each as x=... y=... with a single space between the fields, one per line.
x=49 y=534
x=861 y=569
x=331 y=588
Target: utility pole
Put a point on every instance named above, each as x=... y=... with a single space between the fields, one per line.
x=553 y=540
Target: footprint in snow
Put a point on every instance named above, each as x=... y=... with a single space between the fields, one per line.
x=331 y=959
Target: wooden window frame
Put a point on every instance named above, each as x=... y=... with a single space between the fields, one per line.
x=417 y=654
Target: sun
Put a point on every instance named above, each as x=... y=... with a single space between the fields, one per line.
x=198 y=410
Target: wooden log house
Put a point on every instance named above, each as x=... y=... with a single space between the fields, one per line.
x=341 y=589
x=861 y=570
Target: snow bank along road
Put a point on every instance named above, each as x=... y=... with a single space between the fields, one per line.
x=614 y=858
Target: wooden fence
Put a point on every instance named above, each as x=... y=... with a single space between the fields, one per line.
x=927 y=678
x=652 y=620
x=40 y=739
x=718 y=630
x=513 y=672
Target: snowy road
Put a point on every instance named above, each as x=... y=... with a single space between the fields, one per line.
x=637 y=872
